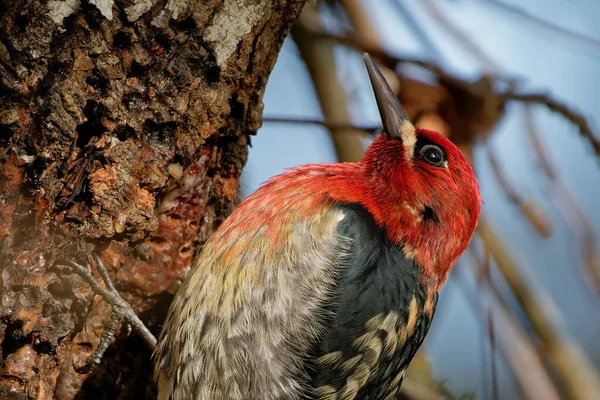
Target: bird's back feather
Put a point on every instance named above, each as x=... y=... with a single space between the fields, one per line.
x=243 y=322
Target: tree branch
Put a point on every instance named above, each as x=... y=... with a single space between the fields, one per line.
x=111 y=296
x=560 y=108
x=331 y=125
x=573 y=367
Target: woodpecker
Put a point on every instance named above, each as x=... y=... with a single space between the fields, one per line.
x=323 y=283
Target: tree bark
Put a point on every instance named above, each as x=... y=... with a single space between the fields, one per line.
x=124 y=127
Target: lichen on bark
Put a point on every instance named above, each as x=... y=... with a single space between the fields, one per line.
x=124 y=127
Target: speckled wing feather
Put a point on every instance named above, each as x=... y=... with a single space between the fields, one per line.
x=381 y=313
x=242 y=324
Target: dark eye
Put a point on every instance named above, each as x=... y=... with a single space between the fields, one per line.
x=433 y=155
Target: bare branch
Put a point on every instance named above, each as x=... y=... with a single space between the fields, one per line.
x=562 y=109
x=567 y=205
x=534 y=212
x=331 y=125
x=418 y=30
x=459 y=36
x=112 y=297
x=569 y=362
x=569 y=34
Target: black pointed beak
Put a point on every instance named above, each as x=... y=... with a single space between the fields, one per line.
x=392 y=114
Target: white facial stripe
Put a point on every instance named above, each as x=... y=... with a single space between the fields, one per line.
x=409 y=139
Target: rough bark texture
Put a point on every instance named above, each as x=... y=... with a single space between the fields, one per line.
x=123 y=129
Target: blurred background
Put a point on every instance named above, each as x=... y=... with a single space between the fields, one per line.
x=515 y=84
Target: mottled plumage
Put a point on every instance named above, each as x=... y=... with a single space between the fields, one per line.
x=381 y=310
x=323 y=283
x=245 y=319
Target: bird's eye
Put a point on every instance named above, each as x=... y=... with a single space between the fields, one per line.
x=433 y=155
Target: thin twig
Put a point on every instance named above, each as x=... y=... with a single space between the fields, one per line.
x=493 y=363
x=113 y=298
x=533 y=212
x=332 y=125
x=320 y=61
x=459 y=36
x=554 y=105
x=480 y=310
x=418 y=30
x=520 y=352
x=103 y=273
x=569 y=362
x=569 y=207
x=569 y=34
x=483 y=281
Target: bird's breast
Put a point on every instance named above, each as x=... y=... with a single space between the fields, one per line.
x=378 y=316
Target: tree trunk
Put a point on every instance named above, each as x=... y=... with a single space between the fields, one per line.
x=124 y=127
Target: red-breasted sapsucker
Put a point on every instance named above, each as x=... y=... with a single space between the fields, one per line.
x=323 y=283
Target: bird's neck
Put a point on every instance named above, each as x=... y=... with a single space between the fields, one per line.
x=433 y=239
x=424 y=236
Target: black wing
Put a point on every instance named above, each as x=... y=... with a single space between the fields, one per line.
x=379 y=316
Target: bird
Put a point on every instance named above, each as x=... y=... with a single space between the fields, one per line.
x=323 y=283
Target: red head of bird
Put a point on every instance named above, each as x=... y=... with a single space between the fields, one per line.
x=422 y=188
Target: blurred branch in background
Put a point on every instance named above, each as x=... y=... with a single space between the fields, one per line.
x=342 y=127
x=519 y=349
x=533 y=211
x=319 y=59
x=576 y=372
x=493 y=99
x=489 y=109
x=458 y=35
x=567 y=204
x=521 y=353
x=562 y=109
x=570 y=35
x=574 y=369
